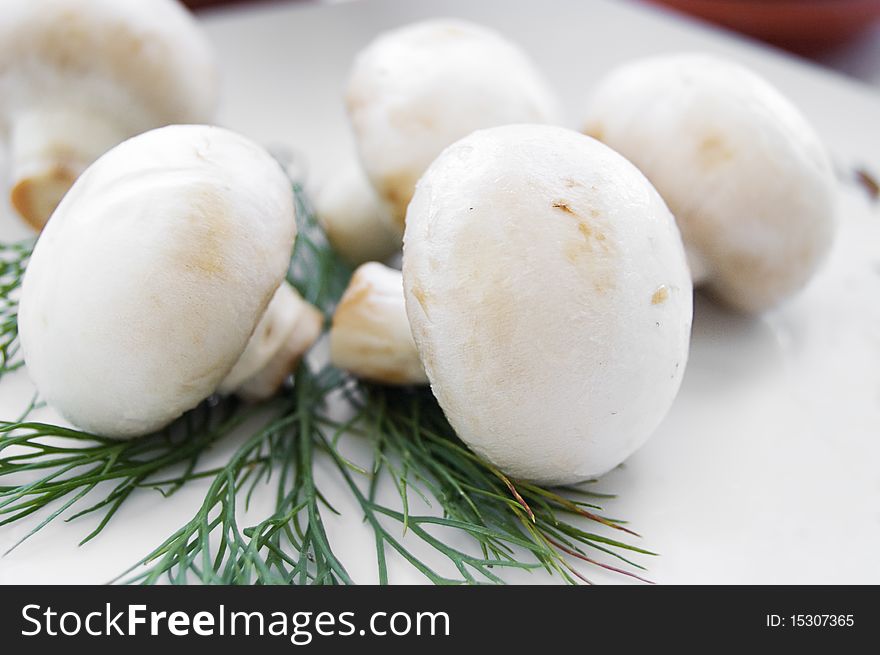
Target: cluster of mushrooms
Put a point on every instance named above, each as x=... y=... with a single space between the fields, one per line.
x=547 y=274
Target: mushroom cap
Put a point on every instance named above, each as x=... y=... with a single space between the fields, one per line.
x=145 y=63
x=549 y=298
x=745 y=175
x=416 y=89
x=150 y=277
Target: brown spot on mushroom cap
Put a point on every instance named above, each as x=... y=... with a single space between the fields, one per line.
x=603 y=283
x=590 y=249
x=661 y=295
x=202 y=246
x=713 y=150
x=590 y=236
x=564 y=206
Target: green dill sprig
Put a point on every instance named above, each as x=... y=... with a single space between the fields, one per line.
x=417 y=449
x=48 y=467
x=316 y=271
x=289 y=546
x=13 y=260
x=60 y=473
x=511 y=525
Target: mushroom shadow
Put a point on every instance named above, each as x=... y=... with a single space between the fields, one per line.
x=728 y=348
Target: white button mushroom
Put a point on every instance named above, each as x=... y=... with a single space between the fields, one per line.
x=148 y=282
x=356 y=220
x=79 y=76
x=370 y=336
x=549 y=298
x=745 y=175
x=416 y=89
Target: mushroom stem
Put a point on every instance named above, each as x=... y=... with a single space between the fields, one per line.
x=358 y=223
x=49 y=148
x=288 y=328
x=370 y=336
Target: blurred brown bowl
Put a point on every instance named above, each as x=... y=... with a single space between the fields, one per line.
x=805 y=26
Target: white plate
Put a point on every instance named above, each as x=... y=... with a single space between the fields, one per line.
x=767 y=470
